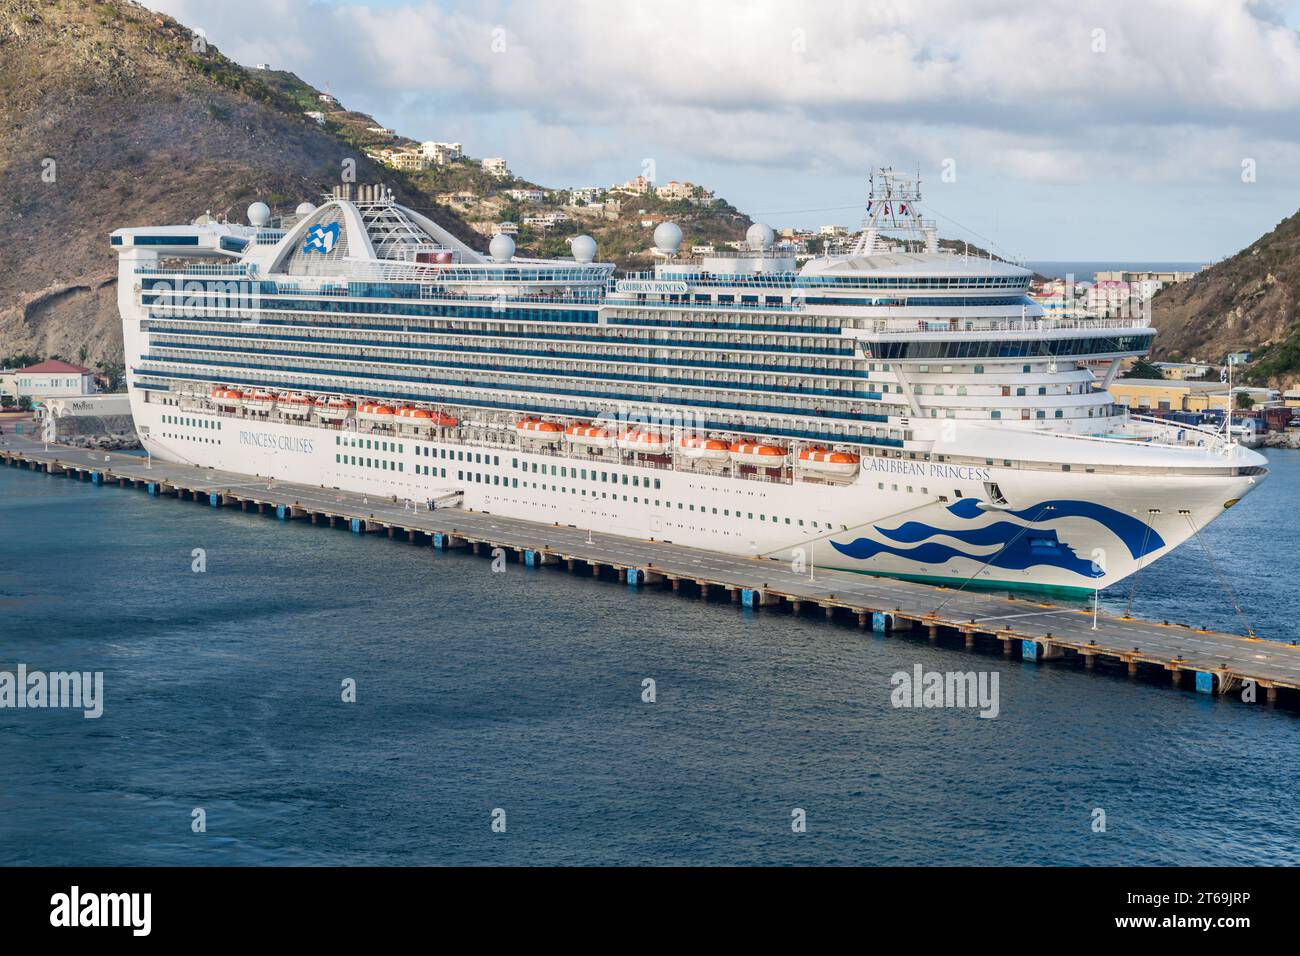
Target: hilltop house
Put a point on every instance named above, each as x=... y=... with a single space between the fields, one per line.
x=440 y=154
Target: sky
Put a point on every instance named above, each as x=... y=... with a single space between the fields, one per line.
x=1114 y=130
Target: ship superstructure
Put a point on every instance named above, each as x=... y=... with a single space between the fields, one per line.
x=896 y=410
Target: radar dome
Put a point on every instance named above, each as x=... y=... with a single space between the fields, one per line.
x=259 y=214
x=305 y=209
x=501 y=248
x=668 y=237
x=583 y=247
x=759 y=236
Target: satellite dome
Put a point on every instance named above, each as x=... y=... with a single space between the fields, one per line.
x=583 y=247
x=501 y=248
x=759 y=237
x=305 y=209
x=668 y=237
x=259 y=214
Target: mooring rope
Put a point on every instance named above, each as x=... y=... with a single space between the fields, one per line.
x=1223 y=582
x=1142 y=553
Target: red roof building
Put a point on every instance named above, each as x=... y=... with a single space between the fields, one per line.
x=54 y=365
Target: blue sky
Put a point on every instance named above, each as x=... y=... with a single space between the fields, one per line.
x=1108 y=130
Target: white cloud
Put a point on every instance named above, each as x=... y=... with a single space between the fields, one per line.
x=1178 y=93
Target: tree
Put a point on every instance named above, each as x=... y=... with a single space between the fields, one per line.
x=116 y=373
x=25 y=403
x=1144 y=369
x=1243 y=400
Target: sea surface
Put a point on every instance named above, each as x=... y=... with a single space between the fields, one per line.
x=522 y=692
x=1085 y=271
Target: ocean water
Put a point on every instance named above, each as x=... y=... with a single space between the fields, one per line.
x=522 y=691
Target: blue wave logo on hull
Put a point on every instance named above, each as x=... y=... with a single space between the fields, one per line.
x=1138 y=536
x=1029 y=550
x=1023 y=546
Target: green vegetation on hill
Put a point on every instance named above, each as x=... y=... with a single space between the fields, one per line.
x=1248 y=302
x=1276 y=361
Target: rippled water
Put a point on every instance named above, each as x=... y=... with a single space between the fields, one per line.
x=522 y=691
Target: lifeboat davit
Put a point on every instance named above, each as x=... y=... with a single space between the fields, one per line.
x=829 y=462
x=589 y=435
x=295 y=406
x=228 y=397
x=646 y=442
x=708 y=449
x=538 y=430
x=333 y=409
x=759 y=455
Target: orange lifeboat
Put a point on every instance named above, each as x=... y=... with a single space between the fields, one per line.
x=228 y=397
x=588 y=435
x=708 y=449
x=295 y=406
x=537 y=430
x=413 y=417
x=649 y=443
x=829 y=462
x=444 y=421
x=333 y=409
x=374 y=412
x=260 y=401
x=758 y=455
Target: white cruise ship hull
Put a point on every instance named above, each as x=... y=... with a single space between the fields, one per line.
x=1070 y=532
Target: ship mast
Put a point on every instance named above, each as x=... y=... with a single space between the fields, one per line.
x=893 y=206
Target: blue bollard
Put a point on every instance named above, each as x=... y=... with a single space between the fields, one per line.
x=1204 y=682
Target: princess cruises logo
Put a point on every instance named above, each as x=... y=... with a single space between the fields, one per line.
x=321 y=238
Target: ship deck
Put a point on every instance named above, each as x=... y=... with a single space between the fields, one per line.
x=1161 y=652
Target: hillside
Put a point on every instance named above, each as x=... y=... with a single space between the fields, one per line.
x=1250 y=302
x=112 y=117
x=115 y=115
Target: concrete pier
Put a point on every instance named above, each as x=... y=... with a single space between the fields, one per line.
x=1220 y=663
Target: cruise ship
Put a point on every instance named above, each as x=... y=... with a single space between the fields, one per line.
x=895 y=409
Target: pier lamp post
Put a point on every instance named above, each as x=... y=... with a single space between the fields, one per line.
x=1096 y=599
